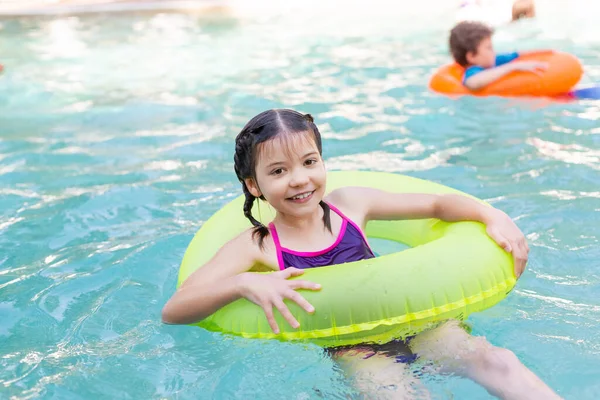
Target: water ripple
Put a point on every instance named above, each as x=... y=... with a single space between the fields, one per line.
x=116 y=145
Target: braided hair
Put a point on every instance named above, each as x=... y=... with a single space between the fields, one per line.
x=263 y=127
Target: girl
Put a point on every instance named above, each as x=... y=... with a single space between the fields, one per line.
x=278 y=159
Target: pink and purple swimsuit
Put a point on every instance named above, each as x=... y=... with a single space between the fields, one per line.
x=350 y=245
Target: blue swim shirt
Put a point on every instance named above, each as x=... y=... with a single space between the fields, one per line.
x=501 y=59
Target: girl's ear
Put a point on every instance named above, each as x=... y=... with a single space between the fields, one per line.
x=252 y=187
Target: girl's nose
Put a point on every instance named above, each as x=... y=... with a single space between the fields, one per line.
x=299 y=178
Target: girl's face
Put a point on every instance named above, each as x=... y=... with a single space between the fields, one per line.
x=290 y=174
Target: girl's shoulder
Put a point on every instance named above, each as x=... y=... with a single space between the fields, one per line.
x=240 y=254
x=349 y=200
x=247 y=244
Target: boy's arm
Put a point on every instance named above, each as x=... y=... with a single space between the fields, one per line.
x=487 y=76
x=484 y=78
x=535 y=52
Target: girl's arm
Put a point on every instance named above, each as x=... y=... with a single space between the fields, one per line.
x=374 y=204
x=225 y=278
x=379 y=204
x=212 y=286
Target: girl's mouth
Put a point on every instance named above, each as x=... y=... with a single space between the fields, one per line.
x=302 y=197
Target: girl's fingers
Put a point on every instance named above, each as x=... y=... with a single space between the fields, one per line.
x=300 y=300
x=500 y=239
x=302 y=284
x=285 y=312
x=268 y=308
x=520 y=257
x=290 y=272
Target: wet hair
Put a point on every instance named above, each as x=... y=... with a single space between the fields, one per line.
x=264 y=127
x=523 y=9
x=466 y=37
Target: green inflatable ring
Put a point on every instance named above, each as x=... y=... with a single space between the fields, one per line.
x=450 y=271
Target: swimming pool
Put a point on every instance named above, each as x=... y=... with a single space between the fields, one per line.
x=116 y=140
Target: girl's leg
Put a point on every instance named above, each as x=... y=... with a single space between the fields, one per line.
x=498 y=370
x=376 y=375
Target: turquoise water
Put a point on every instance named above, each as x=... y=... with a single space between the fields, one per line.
x=116 y=145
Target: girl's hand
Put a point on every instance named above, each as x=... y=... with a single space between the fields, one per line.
x=508 y=236
x=268 y=291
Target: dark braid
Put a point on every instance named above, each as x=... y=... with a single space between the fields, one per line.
x=244 y=168
x=262 y=128
x=326 y=215
x=259 y=229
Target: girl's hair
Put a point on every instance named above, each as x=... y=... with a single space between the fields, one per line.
x=264 y=127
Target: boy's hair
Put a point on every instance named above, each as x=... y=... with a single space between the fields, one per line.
x=466 y=37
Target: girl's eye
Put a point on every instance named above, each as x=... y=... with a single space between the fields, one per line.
x=277 y=171
x=310 y=161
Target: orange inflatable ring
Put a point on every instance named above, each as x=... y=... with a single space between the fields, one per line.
x=564 y=71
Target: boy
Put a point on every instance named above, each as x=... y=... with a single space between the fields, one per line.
x=471 y=46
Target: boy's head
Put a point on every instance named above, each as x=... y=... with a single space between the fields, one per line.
x=471 y=44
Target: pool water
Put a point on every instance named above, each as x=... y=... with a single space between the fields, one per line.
x=116 y=143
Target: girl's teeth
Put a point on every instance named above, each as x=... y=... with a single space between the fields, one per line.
x=301 y=196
